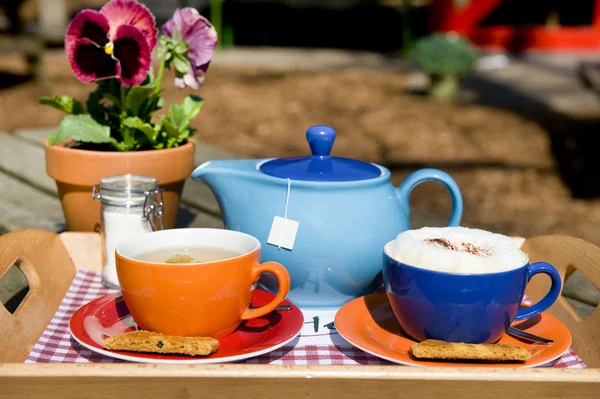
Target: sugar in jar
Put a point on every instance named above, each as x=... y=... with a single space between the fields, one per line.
x=130 y=205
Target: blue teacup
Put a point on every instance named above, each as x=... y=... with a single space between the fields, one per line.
x=472 y=308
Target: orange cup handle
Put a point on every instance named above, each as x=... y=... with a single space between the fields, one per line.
x=283 y=278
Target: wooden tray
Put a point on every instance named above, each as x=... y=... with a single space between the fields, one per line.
x=49 y=261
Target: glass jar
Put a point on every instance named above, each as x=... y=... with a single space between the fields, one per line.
x=130 y=205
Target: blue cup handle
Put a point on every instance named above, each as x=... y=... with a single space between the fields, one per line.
x=432 y=175
x=551 y=296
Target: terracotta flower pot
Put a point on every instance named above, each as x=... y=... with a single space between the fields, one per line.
x=76 y=171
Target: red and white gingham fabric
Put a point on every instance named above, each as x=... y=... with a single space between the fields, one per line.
x=321 y=347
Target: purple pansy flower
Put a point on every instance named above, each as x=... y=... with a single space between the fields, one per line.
x=115 y=42
x=202 y=40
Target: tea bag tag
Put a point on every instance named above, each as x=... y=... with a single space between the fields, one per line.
x=283 y=230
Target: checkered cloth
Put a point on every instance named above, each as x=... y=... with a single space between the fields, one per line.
x=317 y=345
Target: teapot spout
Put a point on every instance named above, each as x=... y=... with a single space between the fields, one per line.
x=217 y=173
x=226 y=179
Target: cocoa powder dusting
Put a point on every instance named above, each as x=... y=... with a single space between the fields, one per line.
x=462 y=246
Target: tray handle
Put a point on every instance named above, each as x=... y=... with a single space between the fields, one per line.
x=49 y=271
x=568 y=254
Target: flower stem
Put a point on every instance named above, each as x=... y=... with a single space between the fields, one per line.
x=161 y=72
x=216 y=17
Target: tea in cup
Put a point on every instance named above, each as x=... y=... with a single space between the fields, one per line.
x=194 y=282
x=457 y=284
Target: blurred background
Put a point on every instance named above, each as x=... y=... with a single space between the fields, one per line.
x=515 y=122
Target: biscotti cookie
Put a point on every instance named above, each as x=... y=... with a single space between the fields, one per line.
x=434 y=349
x=146 y=341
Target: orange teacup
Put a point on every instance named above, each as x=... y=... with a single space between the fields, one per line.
x=207 y=299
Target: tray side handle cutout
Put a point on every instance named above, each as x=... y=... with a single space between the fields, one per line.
x=18 y=284
x=46 y=264
x=568 y=254
x=581 y=294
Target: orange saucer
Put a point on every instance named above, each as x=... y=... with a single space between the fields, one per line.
x=369 y=324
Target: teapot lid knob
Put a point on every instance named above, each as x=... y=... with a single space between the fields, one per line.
x=320 y=139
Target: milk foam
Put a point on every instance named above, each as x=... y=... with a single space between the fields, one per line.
x=457 y=250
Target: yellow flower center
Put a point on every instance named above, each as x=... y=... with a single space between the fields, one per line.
x=109 y=48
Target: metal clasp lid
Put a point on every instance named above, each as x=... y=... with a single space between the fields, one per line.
x=154 y=208
x=96 y=192
x=133 y=191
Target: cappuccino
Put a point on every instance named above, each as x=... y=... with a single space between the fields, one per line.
x=456 y=250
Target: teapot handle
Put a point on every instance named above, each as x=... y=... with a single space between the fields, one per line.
x=422 y=175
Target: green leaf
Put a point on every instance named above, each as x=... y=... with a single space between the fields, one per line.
x=184 y=134
x=83 y=128
x=136 y=97
x=172 y=142
x=180 y=63
x=178 y=116
x=171 y=130
x=120 y=146
x=191 y=106
x=64 y=103
x=52 y=138
x=181 y=48
x=163 y=40
x=129 y=140
x=146 y=128
x=149 y=108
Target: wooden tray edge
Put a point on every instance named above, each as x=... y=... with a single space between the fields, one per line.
x=269 y=381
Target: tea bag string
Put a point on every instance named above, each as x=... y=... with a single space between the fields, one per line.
x=287 y=198
x=287 y=201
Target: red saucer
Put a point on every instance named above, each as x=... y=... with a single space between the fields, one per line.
x=108 y=316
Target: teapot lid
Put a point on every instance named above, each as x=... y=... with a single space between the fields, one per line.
x=320 y=166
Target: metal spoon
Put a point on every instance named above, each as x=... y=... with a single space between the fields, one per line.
x=528 y=336
x=282 y=307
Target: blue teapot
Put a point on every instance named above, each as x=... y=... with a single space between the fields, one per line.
x=325 y=218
